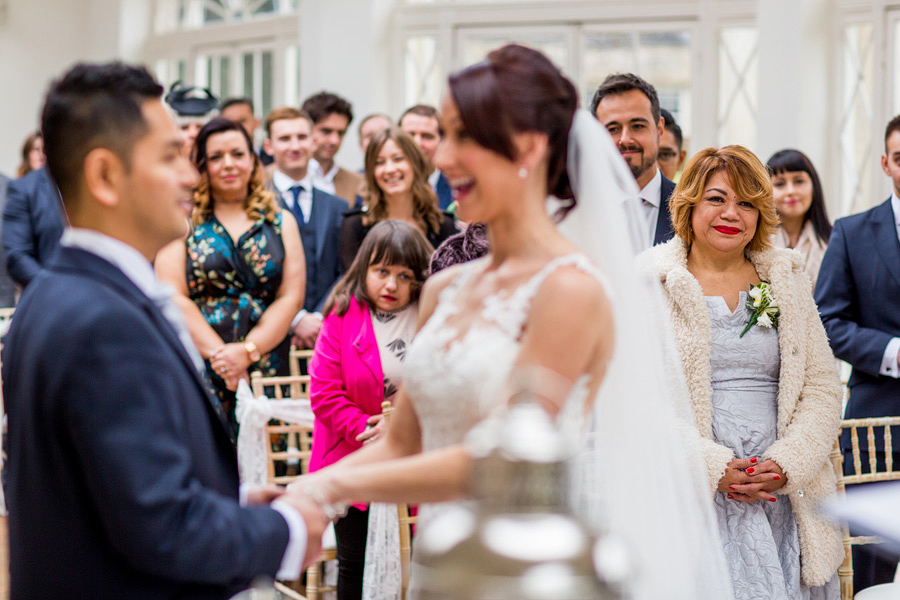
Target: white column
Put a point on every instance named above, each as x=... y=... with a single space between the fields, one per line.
x=794 y=73
x=345 y=49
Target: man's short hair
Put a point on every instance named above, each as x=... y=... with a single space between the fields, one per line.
x=284 y=113
x=672 y=127
x=369 y=117
x=619 y=83
x=320 y=105
x=892 y=126
x=235 y=101
x=423 y=110
x=94 y=106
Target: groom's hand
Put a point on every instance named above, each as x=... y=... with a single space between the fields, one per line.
x=315 y=520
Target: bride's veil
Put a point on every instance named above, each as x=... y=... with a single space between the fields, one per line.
x=640 y=477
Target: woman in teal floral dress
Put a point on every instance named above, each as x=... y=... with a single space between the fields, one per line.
x=240 y=273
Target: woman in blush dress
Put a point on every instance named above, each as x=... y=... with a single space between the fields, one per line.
x=766 y=397
x=800 y=203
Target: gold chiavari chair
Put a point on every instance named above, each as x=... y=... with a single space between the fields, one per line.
x=299 y=361
x=405 y=521
x=870 y=474
x=299 y=449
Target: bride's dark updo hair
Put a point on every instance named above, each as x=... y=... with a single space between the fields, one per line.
x=516 y=90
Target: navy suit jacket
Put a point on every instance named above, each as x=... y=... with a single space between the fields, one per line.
x=32 y=224
x=442 y=189
x=857 y=293
x=327 y=214
x=7 y=285
x=122 y=481
x=664 y=229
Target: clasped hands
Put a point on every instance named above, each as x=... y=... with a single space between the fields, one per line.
x=230 y=362
x=751 y=479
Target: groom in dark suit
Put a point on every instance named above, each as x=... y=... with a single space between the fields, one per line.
x=857 y=293
x=318 y=213
x=122 y=480
x=628 y=107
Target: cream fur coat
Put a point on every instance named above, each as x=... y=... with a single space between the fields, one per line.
x=809 y=392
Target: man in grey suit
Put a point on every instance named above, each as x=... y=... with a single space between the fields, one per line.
x=318 y=213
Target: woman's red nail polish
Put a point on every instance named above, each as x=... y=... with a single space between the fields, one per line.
x=730 y=497
x=750 y=470
x=771 y=499
x=777 y=477
x=731 y=487
x=753 y=460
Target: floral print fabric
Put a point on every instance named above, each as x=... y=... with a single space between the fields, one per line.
x=233 y=283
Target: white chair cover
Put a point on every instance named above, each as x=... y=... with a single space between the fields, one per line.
x=253 y=414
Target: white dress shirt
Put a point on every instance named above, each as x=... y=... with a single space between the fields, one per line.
x=646 y=207
x=320 y=179
x=433 y=179
x=139 y=271
x=283 y=184
x=889 y=364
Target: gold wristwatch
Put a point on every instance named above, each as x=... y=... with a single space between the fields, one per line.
x=252 y=350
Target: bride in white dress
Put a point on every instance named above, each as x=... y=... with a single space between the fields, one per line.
x=538 y=302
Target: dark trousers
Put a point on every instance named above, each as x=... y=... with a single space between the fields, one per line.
x=873 y=564
x=351 y=532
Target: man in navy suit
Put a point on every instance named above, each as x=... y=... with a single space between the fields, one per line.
x=122 y=481
x=628 y=107
x=422 y=123
x=857 y=293
x=7 y=285
x=318 y=213
x=32 y=225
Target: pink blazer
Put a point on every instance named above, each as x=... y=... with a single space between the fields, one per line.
x=346 y=384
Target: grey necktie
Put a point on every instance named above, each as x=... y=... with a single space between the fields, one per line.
x=162 y=298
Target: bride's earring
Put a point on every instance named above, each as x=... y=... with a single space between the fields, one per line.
x=523 y=172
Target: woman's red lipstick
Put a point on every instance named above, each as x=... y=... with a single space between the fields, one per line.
x=727 y=230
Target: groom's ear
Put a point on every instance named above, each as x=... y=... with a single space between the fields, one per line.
x=531 y=148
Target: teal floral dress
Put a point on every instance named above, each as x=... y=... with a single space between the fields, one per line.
x=233 y=283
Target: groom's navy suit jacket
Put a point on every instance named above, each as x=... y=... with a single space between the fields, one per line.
x=664 y=229
x=858 y=292
x=122 y=480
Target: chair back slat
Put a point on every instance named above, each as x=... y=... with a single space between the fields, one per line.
x=852 y=428
x=296 y=439
x=299 y=361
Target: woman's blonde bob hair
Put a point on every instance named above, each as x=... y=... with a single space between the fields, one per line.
x=747 y=176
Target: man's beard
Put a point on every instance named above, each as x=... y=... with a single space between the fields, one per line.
x=642 y=167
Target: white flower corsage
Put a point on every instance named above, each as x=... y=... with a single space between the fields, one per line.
x=762 y=305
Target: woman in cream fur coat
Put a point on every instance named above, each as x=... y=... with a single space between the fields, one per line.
x=767 y=402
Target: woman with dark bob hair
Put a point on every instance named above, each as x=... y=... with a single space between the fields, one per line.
x=800 y=203
x=398 y=189
x=370 y=319
x=766 y=397
x=240 y=274
x=532 y=316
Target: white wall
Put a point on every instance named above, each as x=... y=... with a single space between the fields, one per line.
x=346 y=49
x=40 y=39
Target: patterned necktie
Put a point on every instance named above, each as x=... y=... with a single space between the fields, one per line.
x=298 y=212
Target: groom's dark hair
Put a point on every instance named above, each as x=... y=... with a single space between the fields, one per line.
x=94 y=106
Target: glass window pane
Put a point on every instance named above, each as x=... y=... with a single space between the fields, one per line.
x=213 y=11
x=475 y=45
x=224 y=76
x=266 y=82
x=737 y=86
x=423 y=77
x=248 y=75
x=856 y=117
x=661 y=57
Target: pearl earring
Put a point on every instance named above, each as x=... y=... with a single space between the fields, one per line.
x=523 y=172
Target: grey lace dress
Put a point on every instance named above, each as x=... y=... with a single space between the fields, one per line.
x=762 y=545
